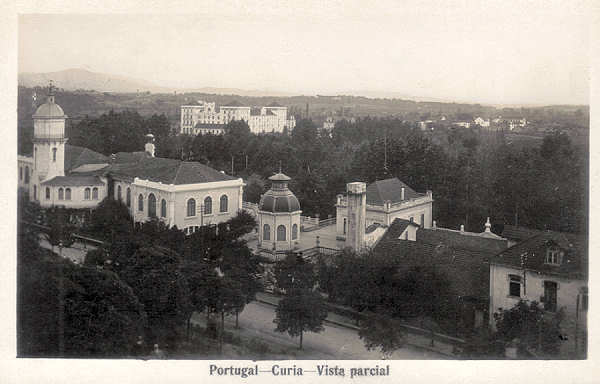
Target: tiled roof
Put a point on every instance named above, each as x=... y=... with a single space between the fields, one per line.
x=129 y=157
x=519 y=233
x=467 y=271
x=390 y=189
x=532 y=253
x=73 y=181
x=85 y=168
x=77 y=156
x=168 y=171
x=462 y=240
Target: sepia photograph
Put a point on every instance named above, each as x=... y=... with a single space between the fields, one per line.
x=324 y=182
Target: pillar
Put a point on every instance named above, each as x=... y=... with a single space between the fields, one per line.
x=357 y=205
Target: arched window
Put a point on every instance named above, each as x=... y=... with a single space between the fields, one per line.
x=128 y=197
x=26 y=175
x=223 y=204
x=141 y=203
x=61 y=194
x=86 y=194
x=68 y=194
x=207 y=205
x=191 y=207
x=20 y=173
x=163 y=208
x=281 y=233
x=294 y=231
x=47 y=193
x=119 y=192
x=54 y=154
x=266 y=232
x=151 y=205
x=95 y=193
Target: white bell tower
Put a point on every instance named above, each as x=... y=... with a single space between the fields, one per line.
x=48 y=142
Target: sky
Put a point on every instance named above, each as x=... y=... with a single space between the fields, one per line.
x=509 y=52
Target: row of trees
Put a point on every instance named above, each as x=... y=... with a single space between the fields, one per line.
x=144 y=284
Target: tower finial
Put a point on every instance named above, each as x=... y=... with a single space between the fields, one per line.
x=51 y=91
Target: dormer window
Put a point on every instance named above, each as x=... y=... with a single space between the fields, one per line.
x=553 y=256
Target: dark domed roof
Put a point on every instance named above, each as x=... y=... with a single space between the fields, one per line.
x=279 y=198
x=287 y=203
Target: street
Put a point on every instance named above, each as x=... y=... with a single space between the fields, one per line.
x=334 y=342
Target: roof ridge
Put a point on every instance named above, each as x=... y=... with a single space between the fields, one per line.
x=178 y=170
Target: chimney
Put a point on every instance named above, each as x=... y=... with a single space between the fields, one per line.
x=462 y=227
x=434 y=225
x=488 y=226
x=357 y=205
x=149 y=147
x=402 y=194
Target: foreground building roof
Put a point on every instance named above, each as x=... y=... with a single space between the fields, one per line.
x=467 y=270
x=381 y=191
x=531 y=254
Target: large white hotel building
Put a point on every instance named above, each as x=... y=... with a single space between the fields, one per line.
x=208 y=118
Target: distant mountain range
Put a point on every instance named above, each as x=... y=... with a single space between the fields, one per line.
x=74 y=79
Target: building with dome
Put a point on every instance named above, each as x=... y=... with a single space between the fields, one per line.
x=278 y=216
x=179 y=193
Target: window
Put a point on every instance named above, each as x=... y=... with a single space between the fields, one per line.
x=20 y=173
x=151 y=205
x=223 y=204
x=208 y=206
x=550 y=290
x=86 y=194
x=54 y=154
x=141 y=203
x=552 y=256
x=294 y=231
x=26 y=175
x=119 y=192
x=584 y=299
x=281 y=233
x=163 y=208
x=266 y=232
x=191 y=207
x=47 y=193
x=412 y=219
x=95 y=193
x=422 y=219
x=514 y=285
x=68 y=194
x=344 y=225
x=35 y=192
x=61 y=194
x=128 y=197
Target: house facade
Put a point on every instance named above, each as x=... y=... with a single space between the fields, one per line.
x=550 y=268
x=387 y=200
